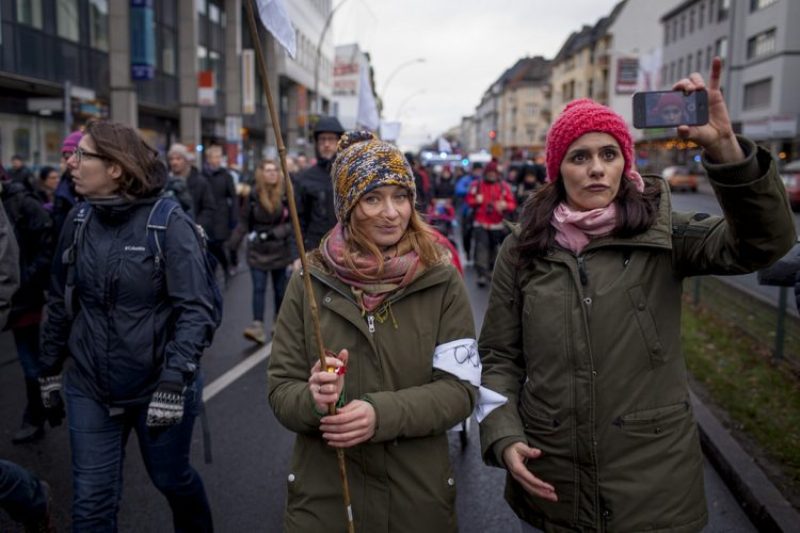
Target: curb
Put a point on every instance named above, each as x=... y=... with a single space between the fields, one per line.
x=760 y=499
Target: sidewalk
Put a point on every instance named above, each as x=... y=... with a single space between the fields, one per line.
x=761 y=500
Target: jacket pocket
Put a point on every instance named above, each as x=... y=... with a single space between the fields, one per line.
x=553 y=434
x=647 y=326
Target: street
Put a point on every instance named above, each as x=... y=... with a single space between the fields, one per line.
x=704 y=201
x=246 y=480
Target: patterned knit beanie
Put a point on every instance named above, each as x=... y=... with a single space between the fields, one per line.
x=364 y=163
x=578 y=118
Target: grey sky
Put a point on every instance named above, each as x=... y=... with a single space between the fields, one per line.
x=467 y=44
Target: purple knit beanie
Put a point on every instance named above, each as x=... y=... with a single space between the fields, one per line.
x=578 y=118
x=71 y=141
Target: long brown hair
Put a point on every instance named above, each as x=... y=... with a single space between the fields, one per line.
x=636 y=212
x=143 y=175
x=270 y=195
x=417 y=236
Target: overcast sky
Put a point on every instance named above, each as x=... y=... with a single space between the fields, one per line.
x=466 y=44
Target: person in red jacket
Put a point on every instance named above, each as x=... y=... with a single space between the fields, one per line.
x=492 y=201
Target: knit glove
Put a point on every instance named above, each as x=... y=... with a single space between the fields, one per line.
x=166 y=405
x=50 y=390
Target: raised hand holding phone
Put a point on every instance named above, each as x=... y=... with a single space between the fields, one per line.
x=717 y=136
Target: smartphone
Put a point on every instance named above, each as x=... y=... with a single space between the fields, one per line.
x=668 y=109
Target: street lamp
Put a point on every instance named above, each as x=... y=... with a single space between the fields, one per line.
x=402 y=105
x=317 y=97
x=394 y=73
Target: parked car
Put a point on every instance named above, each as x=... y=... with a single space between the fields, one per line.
x=791 y=178
x=680 y=179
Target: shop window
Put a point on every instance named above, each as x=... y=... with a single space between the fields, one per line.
x=724 y=10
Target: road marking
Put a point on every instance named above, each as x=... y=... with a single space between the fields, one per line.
x=222 y=382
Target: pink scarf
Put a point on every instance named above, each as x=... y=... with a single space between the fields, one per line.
x=574 y=229
x=369 y=290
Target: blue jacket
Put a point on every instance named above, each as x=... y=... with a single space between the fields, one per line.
x=134 y=324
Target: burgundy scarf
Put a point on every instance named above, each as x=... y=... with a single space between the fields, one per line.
x=370 y=288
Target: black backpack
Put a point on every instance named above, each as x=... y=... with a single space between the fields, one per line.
x=156 y=227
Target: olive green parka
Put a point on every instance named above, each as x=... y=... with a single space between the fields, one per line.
x=587 y=351
x=401 y=480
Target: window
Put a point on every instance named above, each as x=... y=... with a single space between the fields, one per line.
x=711 y=11
x=680 y=68
x=757 y=94
x=666 y=33
x=709 y=57
x=67 y=19
x=702 y=15
x=699 y=61
x=721 y=48
x=688 y=64
x=724 y=9
x=98 y=24
x=201 y=6
x=30 y=12
x=675 y=29
x=683 y=25
x=664 y=73
x=168 y=60
x=691 y=21
x=761 y=44
x=755 y=5
x=213 y=13
x=671 y=72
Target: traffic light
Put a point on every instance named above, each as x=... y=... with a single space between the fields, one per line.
x=492 y=134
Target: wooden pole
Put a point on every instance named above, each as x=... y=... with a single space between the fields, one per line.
x=298 y=236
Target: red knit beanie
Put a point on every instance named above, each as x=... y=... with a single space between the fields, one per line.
x=578 y=118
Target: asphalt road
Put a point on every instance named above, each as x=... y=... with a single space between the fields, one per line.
x=246 y=480
x=704 y=201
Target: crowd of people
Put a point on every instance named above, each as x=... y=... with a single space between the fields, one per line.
x=108 y=282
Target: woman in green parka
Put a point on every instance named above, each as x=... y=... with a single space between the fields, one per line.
x=397 y=315
x=582 y=334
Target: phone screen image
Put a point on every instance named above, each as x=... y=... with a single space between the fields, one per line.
x=669 y=109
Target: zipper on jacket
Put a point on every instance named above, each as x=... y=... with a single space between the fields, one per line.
x=371 y=323
x=582 y=270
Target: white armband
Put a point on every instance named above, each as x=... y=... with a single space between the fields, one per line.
x=460 y=358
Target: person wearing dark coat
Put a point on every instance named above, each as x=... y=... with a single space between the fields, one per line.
x=64 y=197
x=9 y=264
x=134 y=325
x=313 y=189
x=582 y=334
x=223 y=189
x=265 y=220
x=33 y=232
x=21 y=173
x=190 y=188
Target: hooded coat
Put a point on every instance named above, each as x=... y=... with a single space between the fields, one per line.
x=587 y=351
x=400 y=480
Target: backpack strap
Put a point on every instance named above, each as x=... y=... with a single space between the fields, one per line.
x=70 y=255
x=157 y=226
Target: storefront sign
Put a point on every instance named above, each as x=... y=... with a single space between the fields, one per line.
x=248 y=82
x=206 y=88
x=143 y=40
x=627 y=75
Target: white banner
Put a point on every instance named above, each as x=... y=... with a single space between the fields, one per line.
x=367 y=115
x=248 y=82
x=276 y=19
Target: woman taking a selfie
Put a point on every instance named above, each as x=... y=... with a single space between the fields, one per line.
x=398 y=315
x=582 y=332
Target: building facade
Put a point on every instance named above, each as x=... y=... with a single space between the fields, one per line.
x=200 y=83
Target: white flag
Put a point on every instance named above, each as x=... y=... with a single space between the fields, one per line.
x=390 y=131
x=367 y=115
x=444 y=145
x=276 y=19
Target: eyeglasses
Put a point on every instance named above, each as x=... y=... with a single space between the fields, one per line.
x=80 y=153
